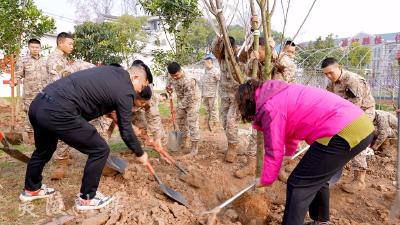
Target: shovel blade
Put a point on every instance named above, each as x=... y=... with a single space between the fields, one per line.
x=175 y=139
x=16 y=154
x=174 y=195
x=117 y=164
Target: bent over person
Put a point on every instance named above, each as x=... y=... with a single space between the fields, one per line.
x=335 y=129
x=63 y=111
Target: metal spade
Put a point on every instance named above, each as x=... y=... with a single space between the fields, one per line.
x=174 y=195
x=175 y=138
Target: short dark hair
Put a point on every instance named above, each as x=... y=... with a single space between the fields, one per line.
x=145 y=93
x=165 y=95
x=115 y=64
x=62 y=36
x=146 y=68
x=33 y=41
x=245 y=99
x=328 y=61
x=291 y=43
x=232 y=41
x=173 y=67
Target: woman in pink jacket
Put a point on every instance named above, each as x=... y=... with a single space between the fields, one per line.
x=335 y=129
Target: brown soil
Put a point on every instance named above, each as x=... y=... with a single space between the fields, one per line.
x=138 y=199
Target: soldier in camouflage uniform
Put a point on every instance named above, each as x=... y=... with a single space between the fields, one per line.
x=229 y=115
x=188 y=105
x=147 y=118
x=58 y=67
x=385 y=127
x=284 y=66
x=355 y=89
x=32 y=69
x=209 y=85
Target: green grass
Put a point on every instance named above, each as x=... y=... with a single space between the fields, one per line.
x=166 y=113
x=384 y=107
x=7 y=164
x=119 y=146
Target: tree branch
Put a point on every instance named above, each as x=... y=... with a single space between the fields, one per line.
x=305 y=19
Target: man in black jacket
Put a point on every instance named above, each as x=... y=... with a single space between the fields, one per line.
x=62 y=111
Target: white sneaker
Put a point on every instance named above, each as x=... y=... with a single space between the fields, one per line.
x=99 y=201
x=43 y=192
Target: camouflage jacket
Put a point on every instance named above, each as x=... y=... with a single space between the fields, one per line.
x=33 y=72
x=58 y=66
x=385 y=127
x=152 y=118
x=355 y=89
x=209 y=82
x=228 y=85
x=187 y=91
x=284 y=68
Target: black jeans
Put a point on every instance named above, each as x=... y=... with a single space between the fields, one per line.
x=307 y=186
x=51 y=122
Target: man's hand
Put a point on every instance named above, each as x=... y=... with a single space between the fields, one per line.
x=271 y=43
x=169 y=89
x=143 y=159
x=254 y=55
x=113 y=116
x=137 y=131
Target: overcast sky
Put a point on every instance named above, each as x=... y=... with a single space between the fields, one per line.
x=344 y=18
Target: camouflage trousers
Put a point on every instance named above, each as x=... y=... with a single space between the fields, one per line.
x=211 y=108
x=360 y=161
x=252 y=146
x=101 y=124
x=27 y=124
x=188 y=121
x=230 y=117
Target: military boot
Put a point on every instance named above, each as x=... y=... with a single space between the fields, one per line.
x=357 y=184
x=247 y=170
x=194 y=149
x=231 y=153
x=60 y=169
x=185 y=143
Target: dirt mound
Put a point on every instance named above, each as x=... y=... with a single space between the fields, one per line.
x=253 y=208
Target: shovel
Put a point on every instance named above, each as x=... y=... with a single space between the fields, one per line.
x=175 y=138
x=164 y=153
x=114 y=163
x=217 y=209
x=176 y=196
x=12 y=152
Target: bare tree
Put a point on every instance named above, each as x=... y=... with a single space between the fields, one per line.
x=216 y=8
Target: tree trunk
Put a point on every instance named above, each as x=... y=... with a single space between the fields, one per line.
x=237 y=74
x=256 y=35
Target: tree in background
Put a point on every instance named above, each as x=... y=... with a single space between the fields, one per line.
x=110 y=42
x=311 y=56
x=131 y=38
x=177 y=18
x=96 y=43
x=20 y=21
x=359 y=55
x=199 y=37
